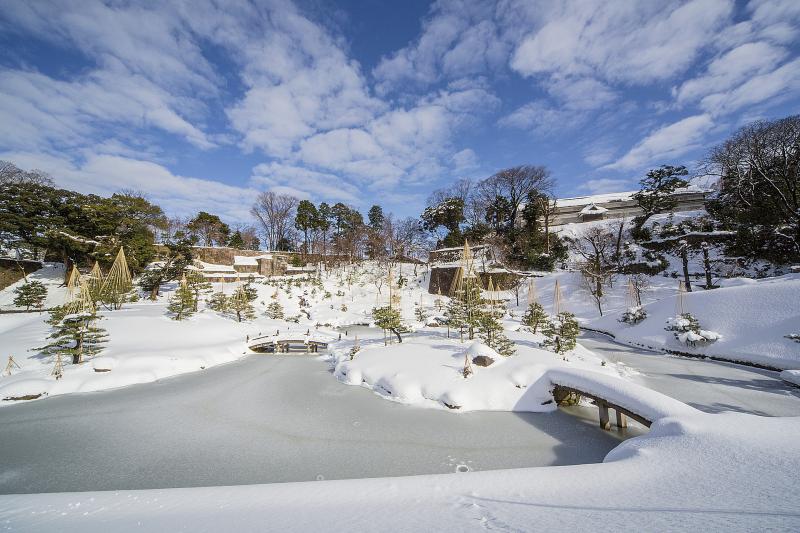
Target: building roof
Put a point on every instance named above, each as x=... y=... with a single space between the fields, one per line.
x=593 y=209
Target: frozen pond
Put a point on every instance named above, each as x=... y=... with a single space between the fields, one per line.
x=267 y=418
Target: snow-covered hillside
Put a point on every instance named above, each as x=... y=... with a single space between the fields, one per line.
x=753 y=318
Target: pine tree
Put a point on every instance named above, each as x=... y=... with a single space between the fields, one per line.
x=118 y=282
x=75 y=334
x=490 y=331
x=275 y=310
x=388 y=318
x=31 y=294
x=241 y=304
x=561 y=332
x=535 y=316
x=198 y=284
x=218 y=302
x=182 y=303
x=420 y=314
x=456 y=314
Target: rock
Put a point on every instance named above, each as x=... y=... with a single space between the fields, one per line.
x=482 y=360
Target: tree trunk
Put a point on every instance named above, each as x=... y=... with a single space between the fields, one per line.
x=707 y=268
x=399 y=338
x=685 y=261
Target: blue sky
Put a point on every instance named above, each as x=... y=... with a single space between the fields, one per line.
x=201 y=103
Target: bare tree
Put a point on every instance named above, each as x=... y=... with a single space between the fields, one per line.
x=275 y=212
x=596 y=247
x=12 y=174
x=515 y=184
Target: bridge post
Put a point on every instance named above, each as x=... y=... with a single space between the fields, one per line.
x=622 y=420
x=605 y=423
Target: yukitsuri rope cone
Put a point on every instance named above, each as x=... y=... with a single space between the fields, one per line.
x=556 y=298
x=680 y=305
x=81 y=301
x=72 y=284
x=632 y=299
x=531 y=292
x=95 y=281
x=10 y=365
x=58 y=368
x=118 y=282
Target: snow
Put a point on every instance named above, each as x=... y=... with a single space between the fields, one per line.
x=725 y=471
x=51 y=275
x=749 y=320
x=425 y=369
x=791 y=376
x=593 y=209
x=731 y=472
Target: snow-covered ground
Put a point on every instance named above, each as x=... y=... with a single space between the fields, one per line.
x=693 y=469
x=753 y=318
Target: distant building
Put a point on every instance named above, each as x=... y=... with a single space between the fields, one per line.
x=617 y=205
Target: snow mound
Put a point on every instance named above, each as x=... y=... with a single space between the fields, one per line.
x=745 y=322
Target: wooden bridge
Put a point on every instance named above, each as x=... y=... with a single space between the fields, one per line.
x=627 y=399
x=561 y=392
x=284 y=343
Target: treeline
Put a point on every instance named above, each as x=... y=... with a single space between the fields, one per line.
x=757 y=205
x=290 y=224
x=510 y=210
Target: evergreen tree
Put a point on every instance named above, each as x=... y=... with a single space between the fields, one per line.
x=182 y=303
x=490 y=331
x=75 y=335
x=31 y=294
x=218 y=302
x=275 y=310
x=389 y=319
x=420 y=314
x=236 y=240
x=656 y=194
x=241 y=304
x=198 y=284
x=471 y=304
x=456 y=314
x=535 y=316
x=561 y=332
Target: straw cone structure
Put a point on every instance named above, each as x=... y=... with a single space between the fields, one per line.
x=118 y=281
x=680 y=305
x=465 y=275
x=73 y=284
x=531 y=292
x=556 y=298
x=58 y=368
x=10 y=365
x=82 y=300
x=632 y=299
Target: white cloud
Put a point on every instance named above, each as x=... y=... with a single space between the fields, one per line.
x=730 y=70
x=303 y=183
x=177 y=195
x=774 y=86
x=665 y=143
x=630 y=42
x=605 y=185
x=458 y=39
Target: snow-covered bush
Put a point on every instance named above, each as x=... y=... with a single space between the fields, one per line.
x=633 y=315
x=687 y=330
